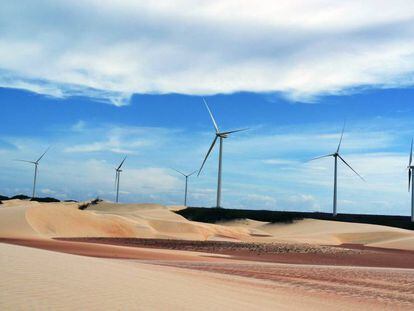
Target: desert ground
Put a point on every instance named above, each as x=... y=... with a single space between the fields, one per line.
x=146 y=257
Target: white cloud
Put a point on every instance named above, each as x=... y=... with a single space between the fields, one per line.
x=47 y=191
x=310 y=142
x=120 y=140
x=110 y=50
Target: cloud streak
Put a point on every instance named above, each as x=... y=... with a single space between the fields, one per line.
x=111 y=50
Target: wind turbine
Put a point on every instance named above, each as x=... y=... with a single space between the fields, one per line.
x=36 y=163
x=410 y=181
x=117 y=177
x=218 y=135
x=186 y=183
x=336 y=155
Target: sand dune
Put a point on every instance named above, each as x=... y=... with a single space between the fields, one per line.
x=13 y=222
x=23 y=219
x=326 y=232
x=406 y=243
x=34 y=279
x=31 y=219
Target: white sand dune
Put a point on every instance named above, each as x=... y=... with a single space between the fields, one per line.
x=33 y=279
x=13 y=223
x=23 y=219
x=326 y=232
x=31 y=219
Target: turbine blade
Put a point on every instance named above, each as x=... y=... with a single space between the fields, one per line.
x=409 y=179
x=208 y=153
x=324 y=156
x=43 y=155
x=411 y=153
x=178 y=171
x=351 y=168
x=340 y=141
x=235 y=131
x=120 y=165
x=212 y=118
x=192 y=173
x=25 y=161
x=116 y=177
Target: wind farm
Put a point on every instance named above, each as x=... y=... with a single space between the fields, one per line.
x=207 y=155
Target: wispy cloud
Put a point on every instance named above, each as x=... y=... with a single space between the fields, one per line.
x=110 y=50
x=115 y=139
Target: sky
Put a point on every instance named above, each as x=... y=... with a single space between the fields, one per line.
x=98 y=80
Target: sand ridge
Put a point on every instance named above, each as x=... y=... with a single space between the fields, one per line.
x=325 y=232
x=25 y=219
x=31 y=219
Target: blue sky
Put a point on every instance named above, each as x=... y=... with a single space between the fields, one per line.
x=97 y=81
x=265 y=167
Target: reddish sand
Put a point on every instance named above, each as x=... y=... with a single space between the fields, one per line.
x=347 y=255
x=322 y=287
x=391 y=288
x=108 y=251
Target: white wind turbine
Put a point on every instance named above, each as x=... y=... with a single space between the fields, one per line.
x=410 y=181
x=117 y=177
x=336 y=155
x=186 y=183
x=218 y=135
x=36 y=163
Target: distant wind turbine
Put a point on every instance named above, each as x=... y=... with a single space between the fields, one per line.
x=219 y=135
x=117 y=177
x=186 y=183
x=336 y=155
x=36 y=163
x=410 y=181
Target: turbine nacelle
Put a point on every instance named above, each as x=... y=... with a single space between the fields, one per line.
x=222 y=135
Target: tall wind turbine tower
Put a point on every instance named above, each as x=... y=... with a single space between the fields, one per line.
x=410 y=181
x=186 y=183
x=36 y=164
x=220 y=136
x=336 y=155
x=117 y=177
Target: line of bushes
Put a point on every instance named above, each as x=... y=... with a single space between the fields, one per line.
x=213 y=215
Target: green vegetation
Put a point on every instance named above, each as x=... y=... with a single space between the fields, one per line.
x=213 y=215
